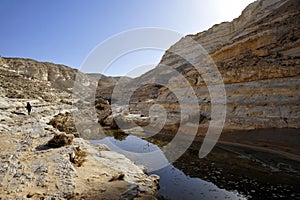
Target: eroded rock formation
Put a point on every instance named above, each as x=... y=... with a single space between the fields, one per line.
x=258 y=56
x=39 y=160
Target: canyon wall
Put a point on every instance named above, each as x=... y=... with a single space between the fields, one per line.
x=258 y=56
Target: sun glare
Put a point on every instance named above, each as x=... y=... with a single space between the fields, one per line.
x=230 y=9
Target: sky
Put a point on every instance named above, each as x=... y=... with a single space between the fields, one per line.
x=66 y=31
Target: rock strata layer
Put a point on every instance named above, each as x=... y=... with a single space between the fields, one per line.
x=258 y=57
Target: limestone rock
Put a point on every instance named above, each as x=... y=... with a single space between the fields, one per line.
x=74 y=169
x=258 y=57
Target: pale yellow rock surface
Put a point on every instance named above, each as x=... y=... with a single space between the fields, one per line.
x=258 y=57
x=31 y=170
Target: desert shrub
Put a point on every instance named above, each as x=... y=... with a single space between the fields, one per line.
x=64 y=123
x=60 y=140
x=78 y=157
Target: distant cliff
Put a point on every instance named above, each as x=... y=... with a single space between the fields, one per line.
x=60 y=76
x=258 y=56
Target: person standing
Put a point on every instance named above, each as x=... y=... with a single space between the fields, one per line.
x=28 y=107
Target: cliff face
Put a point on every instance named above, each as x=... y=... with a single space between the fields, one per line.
x=60 y=76
x=258 y=56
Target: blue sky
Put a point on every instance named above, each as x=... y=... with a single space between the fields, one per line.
x=65 y=31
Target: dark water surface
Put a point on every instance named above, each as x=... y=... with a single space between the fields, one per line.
x=221 y=175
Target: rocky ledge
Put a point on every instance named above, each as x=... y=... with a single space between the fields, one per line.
x=40 y=161
x=30 y=168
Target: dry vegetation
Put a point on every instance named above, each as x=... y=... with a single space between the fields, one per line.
x=60 y=140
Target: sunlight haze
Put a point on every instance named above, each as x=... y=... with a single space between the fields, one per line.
x=65 y=32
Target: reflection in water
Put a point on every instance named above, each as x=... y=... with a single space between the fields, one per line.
x=174 y=184
x=138 y=150
x=131 y=144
